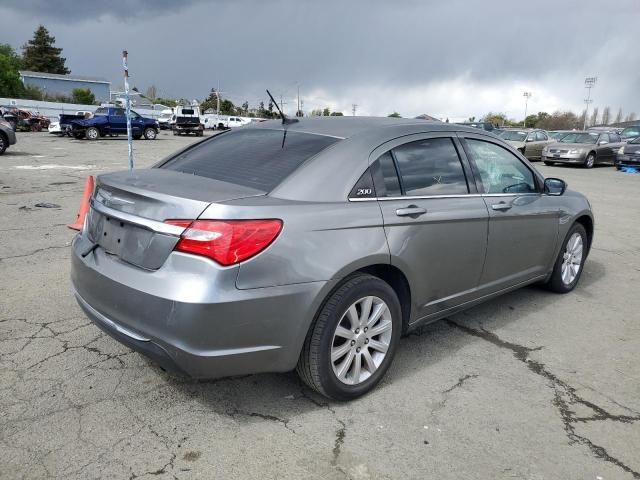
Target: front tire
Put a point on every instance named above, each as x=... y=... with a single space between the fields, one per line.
x=570 y=262
x=353 y=340
x=590 y=161
x=92 y=133
x=3 y=144
x=150 y=133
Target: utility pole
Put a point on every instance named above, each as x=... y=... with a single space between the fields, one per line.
x=589 y=82
x=125 y=55
x=282 y=103
x=527 y=96
x=353 y=109
x=298 y=111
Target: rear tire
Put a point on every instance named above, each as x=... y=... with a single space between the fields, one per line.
x=341 y=331
x=92 y=133
x=4 y=143
x=568 y=268
x=549 y=164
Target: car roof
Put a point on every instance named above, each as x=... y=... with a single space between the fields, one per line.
x=346 y=127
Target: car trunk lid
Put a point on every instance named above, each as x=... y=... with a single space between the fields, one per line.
x=128 y=211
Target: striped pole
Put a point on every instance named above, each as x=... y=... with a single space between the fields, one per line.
x=128 y=107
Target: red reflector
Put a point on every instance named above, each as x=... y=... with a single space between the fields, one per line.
x=227 y=241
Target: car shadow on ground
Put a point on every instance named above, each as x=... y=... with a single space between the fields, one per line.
x=282 y=397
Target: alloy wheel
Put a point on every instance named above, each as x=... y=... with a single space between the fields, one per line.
x=92 y=134
x=572 y=259
x=361 y=340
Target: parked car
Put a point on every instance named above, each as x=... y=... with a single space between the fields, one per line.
x=164 y=119
x=529 y=142
x=7 y=135
x=489 y=127
x=63 y=125
x=26 y=120
x=113 y=120
x=586 y=148
x=630 y=133
x=556 y=135
x=628 y=155
x=317 y=247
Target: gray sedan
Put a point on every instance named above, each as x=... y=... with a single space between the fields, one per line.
x=584 y=148
x=529 y=142
x=316 y=245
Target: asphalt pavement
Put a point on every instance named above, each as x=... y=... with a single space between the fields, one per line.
x=533 y=385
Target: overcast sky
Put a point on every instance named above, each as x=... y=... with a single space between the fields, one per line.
x=454 y=58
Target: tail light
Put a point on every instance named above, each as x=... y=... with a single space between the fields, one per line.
x=226 y=241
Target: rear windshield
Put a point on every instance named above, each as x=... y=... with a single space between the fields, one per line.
x=252 y=158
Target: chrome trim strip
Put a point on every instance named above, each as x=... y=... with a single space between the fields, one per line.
x=428 y=197
x=109 y=323
x=140 y=221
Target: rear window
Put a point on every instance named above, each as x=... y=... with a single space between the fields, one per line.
x=253 y=158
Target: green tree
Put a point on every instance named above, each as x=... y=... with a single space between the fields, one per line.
x=561 y=121
x=326 y=112
x=40 y=55
x=499 y=119
x=169 y=102
x=394 y=115
x=83 y=96
x=337 y=114
x=245 y=107
x=227 y=107
x=531 y=121
x=10 y=83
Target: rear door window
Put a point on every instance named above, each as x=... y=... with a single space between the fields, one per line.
x=256 y=158
x=430 y=167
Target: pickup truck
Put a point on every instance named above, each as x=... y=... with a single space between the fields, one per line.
x=63 y=126
x=113 y=120
x=187 y=120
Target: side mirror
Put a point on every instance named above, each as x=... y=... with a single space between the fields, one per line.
x=530 y=139
x=602 y=142
x=554 y=186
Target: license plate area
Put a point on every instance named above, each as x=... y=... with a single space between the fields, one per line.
x=119 y=238
x=129 y=242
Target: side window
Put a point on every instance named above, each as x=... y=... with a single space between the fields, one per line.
x=389 y=175
x=430 y=167
x=541 y=137
x=500 y=171
x=119 y=111
x=604 y=137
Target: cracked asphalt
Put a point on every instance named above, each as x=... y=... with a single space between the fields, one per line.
x=532 y=385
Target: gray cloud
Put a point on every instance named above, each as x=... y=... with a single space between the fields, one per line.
x=382 y=55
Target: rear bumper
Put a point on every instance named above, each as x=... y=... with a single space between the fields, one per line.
x=197 y=323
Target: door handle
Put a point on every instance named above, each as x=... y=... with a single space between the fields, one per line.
x=410 y=211
x=501 y=206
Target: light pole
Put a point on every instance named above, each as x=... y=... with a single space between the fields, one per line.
x=527 y=96
x=589 y=82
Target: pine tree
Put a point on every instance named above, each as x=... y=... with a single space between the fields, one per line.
x=40 y=55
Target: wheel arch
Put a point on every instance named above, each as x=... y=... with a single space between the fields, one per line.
x=587 y=222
